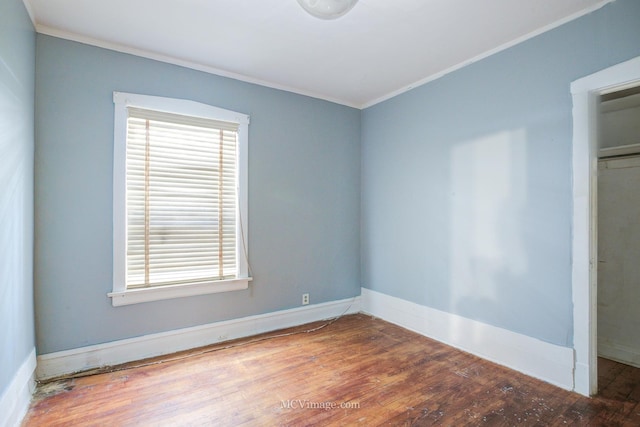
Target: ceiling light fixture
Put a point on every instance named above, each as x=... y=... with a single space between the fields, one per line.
x=327 y=9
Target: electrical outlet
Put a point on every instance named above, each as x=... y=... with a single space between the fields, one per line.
x=305 y=299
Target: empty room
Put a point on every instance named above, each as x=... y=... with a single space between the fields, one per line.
x=319 y=212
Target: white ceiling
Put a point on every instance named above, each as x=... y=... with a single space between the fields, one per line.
x=379 y=49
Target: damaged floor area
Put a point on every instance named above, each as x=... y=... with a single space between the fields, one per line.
x=358 y=370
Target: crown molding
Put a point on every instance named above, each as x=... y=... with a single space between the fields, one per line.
x=67 y=35
x=486 y=54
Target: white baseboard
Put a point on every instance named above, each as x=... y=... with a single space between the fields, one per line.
x=619 y=353
x=548 y=362
x=15 y=400
x=113 y=353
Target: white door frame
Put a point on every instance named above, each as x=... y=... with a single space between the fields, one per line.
x=585 y=92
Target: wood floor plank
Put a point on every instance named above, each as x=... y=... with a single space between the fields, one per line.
x=357 y=371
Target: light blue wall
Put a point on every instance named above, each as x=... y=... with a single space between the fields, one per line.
x=17 y=55
x=464 y=186
x=466 y=181
x=304 y=189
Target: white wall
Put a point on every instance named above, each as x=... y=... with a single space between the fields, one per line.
x=620 y=122
x=618 y=255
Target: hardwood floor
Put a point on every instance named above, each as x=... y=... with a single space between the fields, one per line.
x=357 y=371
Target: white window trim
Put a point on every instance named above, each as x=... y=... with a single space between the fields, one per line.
x=120 y=294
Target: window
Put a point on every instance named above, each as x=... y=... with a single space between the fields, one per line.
x=179 y=199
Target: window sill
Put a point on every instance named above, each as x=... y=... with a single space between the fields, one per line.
x=136 y=296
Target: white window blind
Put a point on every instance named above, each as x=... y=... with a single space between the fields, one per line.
x=181 y=201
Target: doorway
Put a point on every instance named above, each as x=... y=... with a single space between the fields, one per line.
x=618 y=227
x=586 y=93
